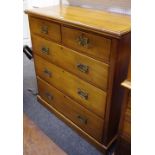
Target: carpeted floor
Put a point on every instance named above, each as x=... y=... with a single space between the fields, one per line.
x=54 y=128
x=36 y=142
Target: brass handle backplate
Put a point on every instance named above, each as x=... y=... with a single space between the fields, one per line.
x=83 y=68
x=82 y=119
x=44 y=29
x=83 y=41
x=49 y=96
x=45 y=50
x=47 y=72
x=82 y=94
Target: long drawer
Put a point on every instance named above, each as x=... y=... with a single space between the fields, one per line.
x=86 y=94
x=45 y=28
x=85 y=119
x=81 y=65
x=91 y=44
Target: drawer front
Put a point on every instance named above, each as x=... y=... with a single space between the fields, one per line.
x=83 y=66
x=83 y=118
x=87 y=95
x=93 y=45
x=45 y=28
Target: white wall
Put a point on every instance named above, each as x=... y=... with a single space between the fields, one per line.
x=26 y=35
x=42 y=3
x=119 y=6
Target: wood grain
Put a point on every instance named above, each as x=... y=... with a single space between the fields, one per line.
x=122 y=147
x=98 y=46
x=124 y=138
x=69 y=84
x=52 y=30
x=101 y=21
x=125 y=123
x=97 y=144
x=36 y=142
x=119 y=62
x=68 y=59
x=110 y=42
x=72 y=110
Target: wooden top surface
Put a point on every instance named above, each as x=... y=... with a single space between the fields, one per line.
x=126 y=84
x=36 y=142
x=110 y=23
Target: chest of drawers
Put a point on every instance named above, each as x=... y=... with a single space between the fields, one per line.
x=81 y=56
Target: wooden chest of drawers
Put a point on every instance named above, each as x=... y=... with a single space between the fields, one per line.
x=81 y=56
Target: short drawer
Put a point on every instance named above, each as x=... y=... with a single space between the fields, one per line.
x=45 y=28
x=83 y=118
x=89 y=69
x=91 y=44
x=86 y=94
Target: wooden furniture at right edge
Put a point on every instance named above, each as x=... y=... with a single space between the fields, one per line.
x=123 y=146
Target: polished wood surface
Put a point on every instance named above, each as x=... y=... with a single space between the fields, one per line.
x=126 y=84
x=86 y=120
x=44 y=28
x=126 y=130
x=125 y=123
x=123 y=147
x=97 y=47
x=109 y=23
x=36 y=142
x=70 y=84
x=101 y=40
x=68 y=59
x=119 y=62
x=124 y=139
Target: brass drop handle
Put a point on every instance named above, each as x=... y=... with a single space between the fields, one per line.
x=47 y=72
x=49 y=96
x=83 y=41
x=44 y=29
x=82 y=68
x=45 y=50
x=82 y=119
x=82 y=94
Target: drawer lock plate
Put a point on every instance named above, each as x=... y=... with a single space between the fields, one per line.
x=82 y=119
x=83 y=68
x=83 y=41
x=44 y=29
x=83 y=94
x=49 y=96
x=45 y=50
x=47 y=72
